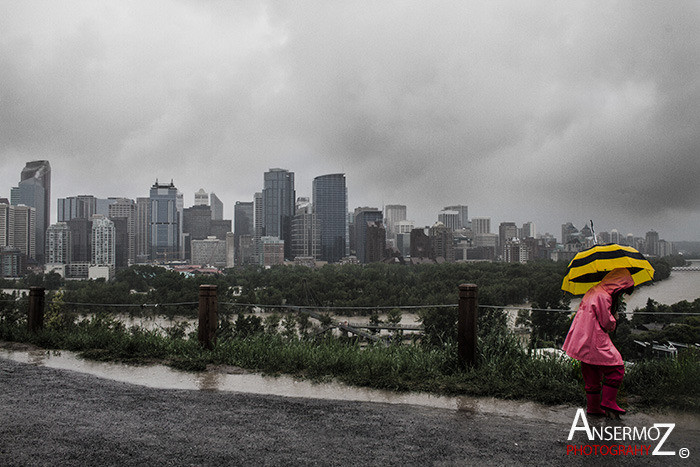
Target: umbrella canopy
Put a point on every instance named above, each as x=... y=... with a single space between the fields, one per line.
x=590 y=266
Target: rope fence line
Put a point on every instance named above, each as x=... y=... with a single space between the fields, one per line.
x=131 y=305
x=351 y=308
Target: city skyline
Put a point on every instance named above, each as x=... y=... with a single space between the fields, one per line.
x=494 y=223
x=547 y=112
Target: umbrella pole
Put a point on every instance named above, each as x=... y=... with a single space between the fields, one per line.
x=595 y=240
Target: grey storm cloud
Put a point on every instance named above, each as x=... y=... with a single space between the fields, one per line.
x=543 y=111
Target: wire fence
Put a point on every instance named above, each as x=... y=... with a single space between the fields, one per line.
x=264 y=306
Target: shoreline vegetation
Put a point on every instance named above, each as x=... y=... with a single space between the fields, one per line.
x=290 y=343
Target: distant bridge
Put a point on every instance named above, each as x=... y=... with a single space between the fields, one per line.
x=685 y=268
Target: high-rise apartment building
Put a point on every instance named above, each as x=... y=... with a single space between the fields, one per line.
x=34 y=190
x=165 y=223
x=58 y=244
x=103 y=241
x=330 y=203
x=279 y=199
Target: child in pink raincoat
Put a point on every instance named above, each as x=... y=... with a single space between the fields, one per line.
x=589 y=341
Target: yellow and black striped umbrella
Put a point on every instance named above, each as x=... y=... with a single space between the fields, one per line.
x=590 y=266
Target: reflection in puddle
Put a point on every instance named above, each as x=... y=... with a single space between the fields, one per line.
x=162 y=377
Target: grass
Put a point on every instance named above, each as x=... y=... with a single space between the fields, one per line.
x=504 y=370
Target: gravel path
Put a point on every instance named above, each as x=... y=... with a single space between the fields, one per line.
x=59 y=417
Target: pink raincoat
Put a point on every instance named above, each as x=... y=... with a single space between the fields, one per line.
x=588 y=338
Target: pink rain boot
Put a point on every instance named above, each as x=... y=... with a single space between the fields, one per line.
x=593 y=406
x=609 y=402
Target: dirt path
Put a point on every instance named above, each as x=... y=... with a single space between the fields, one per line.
x=60 y=417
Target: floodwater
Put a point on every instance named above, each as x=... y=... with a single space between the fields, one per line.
x=236 y=380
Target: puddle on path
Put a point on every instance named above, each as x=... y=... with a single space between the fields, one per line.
x=163 y=377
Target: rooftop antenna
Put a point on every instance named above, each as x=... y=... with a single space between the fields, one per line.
x=595 y=240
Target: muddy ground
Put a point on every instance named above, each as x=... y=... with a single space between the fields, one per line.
x=60 y=417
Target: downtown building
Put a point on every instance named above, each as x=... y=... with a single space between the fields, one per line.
x=278 y=206
x=364 y=217
x=58 y=244
x=330 y=204
x=244 y=228
x=165 y=225
x=462 y=211
x=305 y=232
x=34 y=190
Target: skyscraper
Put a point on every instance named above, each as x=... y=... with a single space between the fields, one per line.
x=34 y=189
x=278 y=206
x=165 y=223
x=481 y=225
x=506 y=231
x=528 y=230
x=124 y=208
x=305 y=232
x=81 y=206
x=462 y=215
x=330 y=202
x=143 y=230
x=450 y=219
x=201 y=198
x=217 y=208
x=258 y=221
x=364 y=217
x=7 y=223
x=393 y=213
x=25 y=230
x=103 y=241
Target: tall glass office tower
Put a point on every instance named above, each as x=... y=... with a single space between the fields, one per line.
x=34 y=189
x=330 y=201
x=165 y=222
x=278 y=206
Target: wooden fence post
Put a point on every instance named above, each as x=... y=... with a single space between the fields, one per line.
x=208 y=319
x=466 y=324
x=35 y=318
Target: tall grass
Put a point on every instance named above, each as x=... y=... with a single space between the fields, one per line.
x=504 y=368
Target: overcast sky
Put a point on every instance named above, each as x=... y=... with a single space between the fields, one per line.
x=547 y=111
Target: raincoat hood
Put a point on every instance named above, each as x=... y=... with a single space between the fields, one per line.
x=617 y=280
